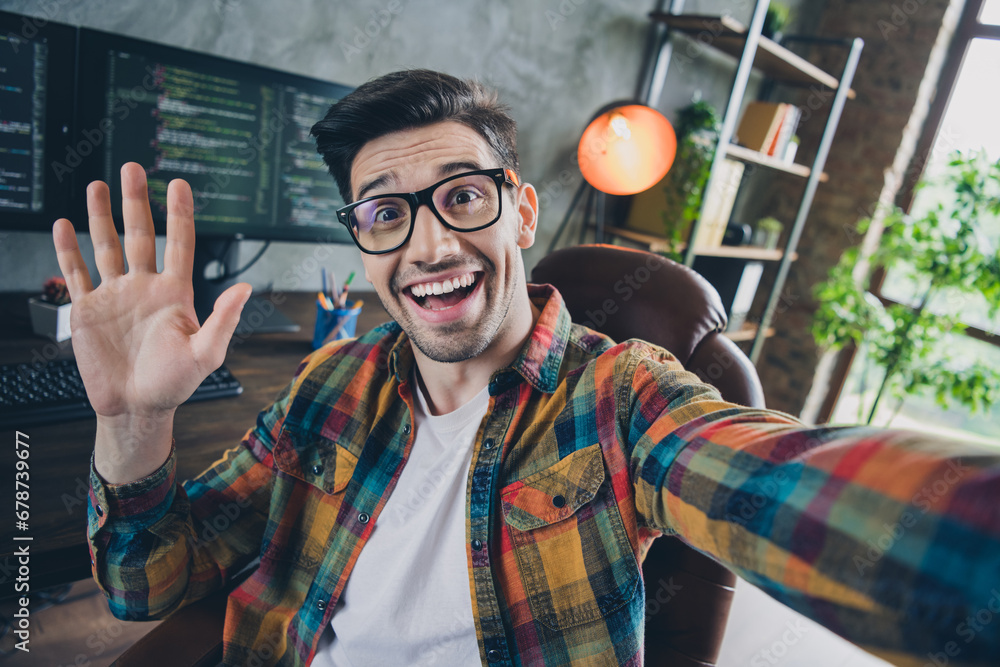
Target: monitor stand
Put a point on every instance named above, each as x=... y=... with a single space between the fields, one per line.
x=218 y=256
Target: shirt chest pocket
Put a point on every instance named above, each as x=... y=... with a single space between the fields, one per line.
x=315 y=460
x=315 y=472
x=572 y=550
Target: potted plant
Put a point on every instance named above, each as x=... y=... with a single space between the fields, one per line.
x=775 y=21
x=697 y=129
x=50 y=311
x=767 y=233
x=948 y=255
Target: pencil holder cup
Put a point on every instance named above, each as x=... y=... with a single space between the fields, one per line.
x=335 y=324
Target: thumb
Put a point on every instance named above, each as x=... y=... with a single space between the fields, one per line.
x=210 y=342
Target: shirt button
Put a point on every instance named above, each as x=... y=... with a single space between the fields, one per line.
x=493 y=655
x=477 y=545
x=363 y=517
x=558 y=501
x=488 y=443
x=317 y=469
x=406 y=429
x=321 y=605
x=99 y=510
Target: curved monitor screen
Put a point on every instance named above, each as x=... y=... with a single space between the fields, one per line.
x=238 y=133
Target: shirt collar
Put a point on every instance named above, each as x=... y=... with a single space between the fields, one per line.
x=539 y=359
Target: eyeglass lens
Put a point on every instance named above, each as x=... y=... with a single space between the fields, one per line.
x=466 y=202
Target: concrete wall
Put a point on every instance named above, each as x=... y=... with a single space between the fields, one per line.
x=554 y=61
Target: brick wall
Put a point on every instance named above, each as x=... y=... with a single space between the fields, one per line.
x=904 y=44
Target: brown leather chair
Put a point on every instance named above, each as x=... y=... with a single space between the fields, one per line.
x=624 y=294
x=635 y=294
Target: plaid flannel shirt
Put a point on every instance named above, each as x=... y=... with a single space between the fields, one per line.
x=588 y=451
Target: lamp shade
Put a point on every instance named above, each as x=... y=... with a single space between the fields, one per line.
x=627 y=150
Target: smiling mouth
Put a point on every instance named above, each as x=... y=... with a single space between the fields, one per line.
x=444 y=294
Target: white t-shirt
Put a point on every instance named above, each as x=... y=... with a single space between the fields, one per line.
x=407 y=601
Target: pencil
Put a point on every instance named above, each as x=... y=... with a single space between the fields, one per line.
x=343 y=292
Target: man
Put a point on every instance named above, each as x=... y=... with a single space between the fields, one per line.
x=477 y=483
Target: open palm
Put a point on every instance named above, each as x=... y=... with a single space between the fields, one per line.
x=136 y=337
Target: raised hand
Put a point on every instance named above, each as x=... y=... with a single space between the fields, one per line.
x=136 y=337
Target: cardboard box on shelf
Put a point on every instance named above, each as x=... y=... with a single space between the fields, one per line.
x=760 y=125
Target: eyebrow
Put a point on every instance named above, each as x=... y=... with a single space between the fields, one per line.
x=381 y=181
x=389 y=177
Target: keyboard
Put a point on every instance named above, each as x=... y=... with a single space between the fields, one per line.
x=54 y=393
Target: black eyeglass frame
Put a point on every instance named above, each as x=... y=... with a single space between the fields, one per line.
x=416 y=199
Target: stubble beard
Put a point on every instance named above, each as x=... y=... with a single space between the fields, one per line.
x=455 y=341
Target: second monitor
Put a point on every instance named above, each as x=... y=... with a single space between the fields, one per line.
x=238 y=133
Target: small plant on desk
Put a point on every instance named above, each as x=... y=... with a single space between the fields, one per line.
x=50 y=313
x=54 y=291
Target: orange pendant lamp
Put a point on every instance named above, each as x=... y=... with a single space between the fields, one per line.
x=627 y=149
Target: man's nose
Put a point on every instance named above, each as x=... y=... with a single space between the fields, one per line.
x=431 y=241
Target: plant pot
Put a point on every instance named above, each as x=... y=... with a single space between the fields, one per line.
x=50 y=320
x=766 y=238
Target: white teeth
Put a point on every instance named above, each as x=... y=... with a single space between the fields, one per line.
x=444 y=287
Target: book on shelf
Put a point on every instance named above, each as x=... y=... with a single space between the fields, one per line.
x=789 y=123
x=719 y=203
x=768 y=127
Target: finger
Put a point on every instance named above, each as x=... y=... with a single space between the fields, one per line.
x=179 y=255
x=140 y=240
x=107 y=247
x=210 y=343
x=71 y=263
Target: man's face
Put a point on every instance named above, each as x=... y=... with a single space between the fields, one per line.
x=459 y=322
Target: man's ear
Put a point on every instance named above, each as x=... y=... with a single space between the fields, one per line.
x=527 y=210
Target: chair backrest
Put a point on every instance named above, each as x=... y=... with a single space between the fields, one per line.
x=636 y=294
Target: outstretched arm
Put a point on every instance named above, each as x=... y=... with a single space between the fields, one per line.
x=138 y=344
x=888 y=538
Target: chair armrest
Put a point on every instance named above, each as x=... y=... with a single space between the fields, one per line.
x=720 y=362
x=688 y=596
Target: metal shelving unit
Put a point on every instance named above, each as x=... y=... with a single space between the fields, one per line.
x=776 y=63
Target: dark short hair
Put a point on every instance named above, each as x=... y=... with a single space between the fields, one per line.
x=406 y=100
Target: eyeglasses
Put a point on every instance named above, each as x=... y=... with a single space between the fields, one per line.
x=464 y=202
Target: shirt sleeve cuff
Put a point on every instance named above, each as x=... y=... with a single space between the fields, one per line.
x=132 y=506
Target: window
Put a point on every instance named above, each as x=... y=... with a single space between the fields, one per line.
x=968 y=124
x=990 y=14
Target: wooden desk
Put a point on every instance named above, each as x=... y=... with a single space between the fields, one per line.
x=60 y=453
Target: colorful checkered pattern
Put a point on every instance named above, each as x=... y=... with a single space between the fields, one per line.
x=588 y=451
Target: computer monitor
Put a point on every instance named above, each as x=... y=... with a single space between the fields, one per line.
x=37 y=68
x=238 y=133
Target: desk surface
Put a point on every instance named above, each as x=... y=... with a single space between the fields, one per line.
x=60 y=454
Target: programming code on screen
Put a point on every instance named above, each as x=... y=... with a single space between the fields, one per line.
x=241 y=141
x=22 y=123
